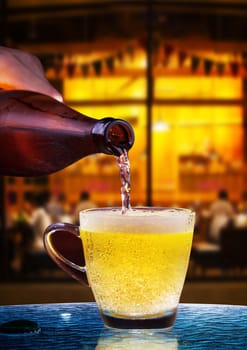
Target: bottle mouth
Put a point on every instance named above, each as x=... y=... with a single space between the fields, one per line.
x=118 y=135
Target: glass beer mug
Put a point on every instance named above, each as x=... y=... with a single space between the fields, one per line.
x=135 y=262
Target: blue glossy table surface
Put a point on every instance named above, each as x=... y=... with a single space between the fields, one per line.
x=78 y=326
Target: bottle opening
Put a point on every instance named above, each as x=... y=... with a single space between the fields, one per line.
x=120 y=136
x=117 y=135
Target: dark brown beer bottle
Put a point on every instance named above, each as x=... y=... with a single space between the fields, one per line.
x=39 y=135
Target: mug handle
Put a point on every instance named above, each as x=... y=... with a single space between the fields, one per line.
x=76 y=271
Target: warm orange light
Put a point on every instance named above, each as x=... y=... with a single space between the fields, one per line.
x=178 y=129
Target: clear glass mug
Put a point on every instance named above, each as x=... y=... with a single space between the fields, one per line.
x=135 y=262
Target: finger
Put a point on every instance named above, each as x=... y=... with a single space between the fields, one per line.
x=41 y=85
x=24 y=58
x=25 y=73
x=46 y=88
x=29 y=61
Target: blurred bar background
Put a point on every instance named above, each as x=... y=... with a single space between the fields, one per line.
x=176 y=70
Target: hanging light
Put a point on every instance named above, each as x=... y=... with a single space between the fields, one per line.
x=161 y=126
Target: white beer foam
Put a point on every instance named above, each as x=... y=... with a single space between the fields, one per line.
x=138 y=220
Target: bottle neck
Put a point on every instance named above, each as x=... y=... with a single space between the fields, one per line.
x=113 y=136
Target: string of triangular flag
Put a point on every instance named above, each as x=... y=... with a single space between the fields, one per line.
x=67 y=65
x=236 y=63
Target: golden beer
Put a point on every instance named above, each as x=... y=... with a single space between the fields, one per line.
x=136 y=263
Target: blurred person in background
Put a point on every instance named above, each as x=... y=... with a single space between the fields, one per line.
x=38 y=219
x=241 y=216
x=55 y=206
x=20 y=238
x=59 y=209
x=84 y=203
x=221 y=212
x=242 y=208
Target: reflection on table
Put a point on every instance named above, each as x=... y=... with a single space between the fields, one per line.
x=126 y=340
x=78 y=326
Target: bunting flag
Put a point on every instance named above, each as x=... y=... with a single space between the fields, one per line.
x=168 y=50
x=182 y=55
x=70 y=69
x=120 y=56
x=68 y=65
x=47 y=60
x=195 y=62
x=142 y=42
x=85 y=69
x=245 y=65
x=58 y=64
x=244 y=56
x=220 y=68
x=130 y=50
x=156 y=43
x=208 y=65
x=110 y=64
x=97 y=66
x=244 y=59
x=65 y=64
x=234 y=68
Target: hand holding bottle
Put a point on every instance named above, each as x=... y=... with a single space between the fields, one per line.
x=23 y=71
x=40 y=134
